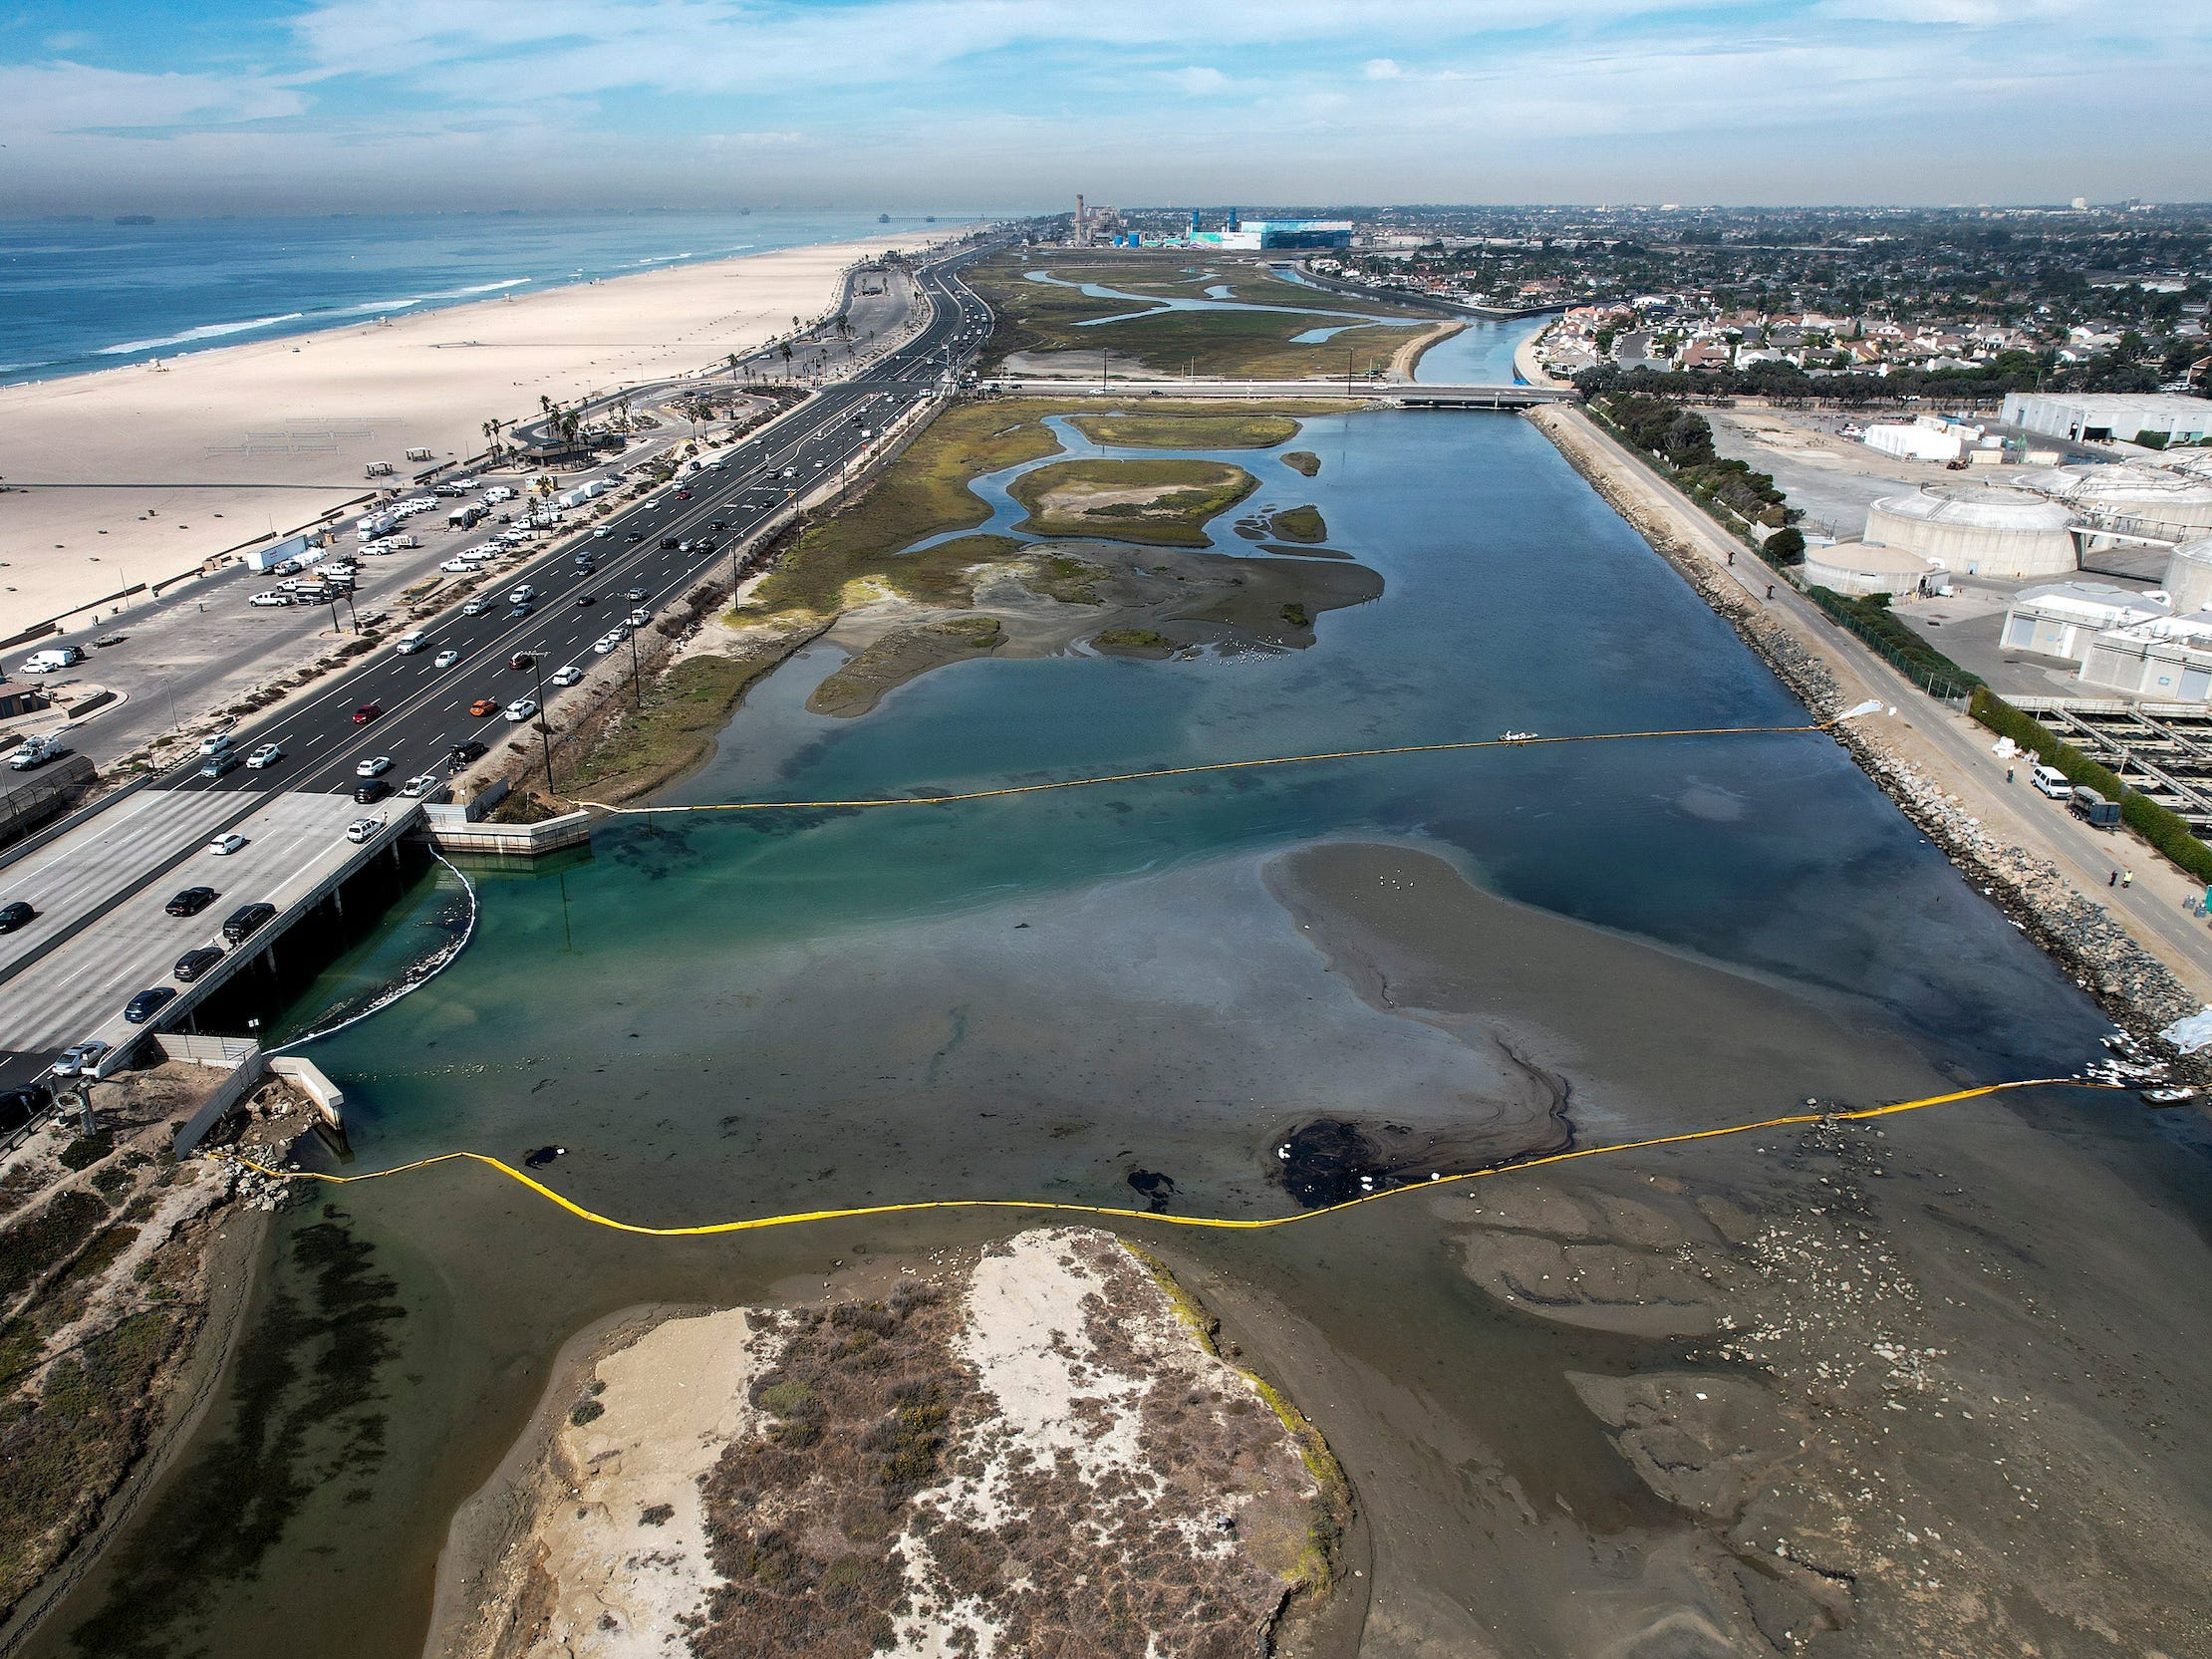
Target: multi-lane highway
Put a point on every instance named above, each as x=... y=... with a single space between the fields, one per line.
x=425 y=709
x=99 y=934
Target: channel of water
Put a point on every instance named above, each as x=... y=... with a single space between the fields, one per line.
x=726 y=1015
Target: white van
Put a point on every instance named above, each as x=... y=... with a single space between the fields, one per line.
x=51 y=660
x=2052 y=783
x=413 y=641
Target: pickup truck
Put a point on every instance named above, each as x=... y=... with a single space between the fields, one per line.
x=36 y=751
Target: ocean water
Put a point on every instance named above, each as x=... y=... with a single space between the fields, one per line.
x=744 y=1014
x=79 y=295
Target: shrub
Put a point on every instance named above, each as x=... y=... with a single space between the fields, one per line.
x=1783 y=547
x=1871 y=620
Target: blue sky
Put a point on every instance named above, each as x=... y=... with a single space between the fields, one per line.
x=244 y=106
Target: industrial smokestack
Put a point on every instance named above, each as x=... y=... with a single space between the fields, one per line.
x=1082 y=229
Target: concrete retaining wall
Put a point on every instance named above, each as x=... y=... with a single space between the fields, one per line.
x=246 y=1077
x=570 y=829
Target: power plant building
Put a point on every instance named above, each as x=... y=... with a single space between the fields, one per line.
x=2110 y=416
x=1978 y=531
x=2154 y=645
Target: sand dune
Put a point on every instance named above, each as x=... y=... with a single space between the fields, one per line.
x=219 y=447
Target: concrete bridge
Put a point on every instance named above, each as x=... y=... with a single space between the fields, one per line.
x=1399 y=394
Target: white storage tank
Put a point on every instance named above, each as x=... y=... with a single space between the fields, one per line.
x=1977 y=531
x=2189 y=576
x=2142 y=494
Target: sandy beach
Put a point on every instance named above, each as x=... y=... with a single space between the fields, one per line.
x=141 y=474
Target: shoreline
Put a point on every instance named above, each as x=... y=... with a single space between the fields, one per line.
x=143 y=474
x=2129 y=984
x=1529 y=367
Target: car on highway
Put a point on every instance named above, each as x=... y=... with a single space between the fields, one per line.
x=360 y=829
x=634 y=595
x=192 y=901
x=420 y=785
x=14 y=914
x=524 y=609
x=484 y=705
x=445 y=659
x=270 y=597
x=718 y=524
x=372 y=791
x=267 y=755
x=522 y=708
x=79 y=1058
x=476 y=606
x=605 y=643
x=668 y=544
x=147 y=1003
x=682 y=495
x=375 y=766
x=565 y=677
x=601 y=531
x=639 y=617
x=242 y=921
x=636 y=535
x=461 y=756
x=522 y=595
x=705 y=544
x=522 y=661
x=587 y=599
x=217 y=764
x=193 y=963
x=216 y=744
x=225 y=844
x=368 y=712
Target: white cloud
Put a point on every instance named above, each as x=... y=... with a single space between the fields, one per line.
x=1382 y=69
x=64 y=97
x=1197 y=79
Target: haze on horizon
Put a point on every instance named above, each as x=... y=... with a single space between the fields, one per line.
x=266 y=106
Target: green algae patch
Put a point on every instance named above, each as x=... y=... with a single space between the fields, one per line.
x=1151 y=430
x=1065 y=577
x=1134 y=642
x=1164 y=503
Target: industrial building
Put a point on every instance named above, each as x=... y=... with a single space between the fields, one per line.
x=2110 y=416
x=1238 y=234
x=1977 y=531
x=2064 y=618
x=2153 y=644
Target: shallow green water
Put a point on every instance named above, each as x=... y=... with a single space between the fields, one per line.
x=729 y=1015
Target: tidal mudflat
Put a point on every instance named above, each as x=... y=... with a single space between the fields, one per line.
x=1139 y=995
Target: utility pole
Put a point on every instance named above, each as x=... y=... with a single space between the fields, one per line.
x=545 y=742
